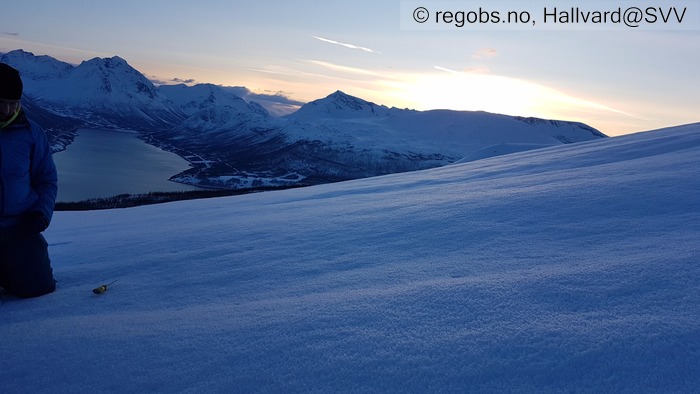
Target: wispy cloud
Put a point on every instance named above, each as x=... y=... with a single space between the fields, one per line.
x=346 y=45
x=180 y=80
x=284 y=71
x=273 y=70
x=346 y=69
x=10 y=34
x=468 y=70
x=484 y=53
x=446 y=70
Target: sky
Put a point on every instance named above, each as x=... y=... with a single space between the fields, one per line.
x=618 y=80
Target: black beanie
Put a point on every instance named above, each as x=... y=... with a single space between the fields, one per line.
x=10 y=83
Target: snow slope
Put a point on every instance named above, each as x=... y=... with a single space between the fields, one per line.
x=573 y=268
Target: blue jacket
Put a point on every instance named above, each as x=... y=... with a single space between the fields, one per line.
x=28 y=179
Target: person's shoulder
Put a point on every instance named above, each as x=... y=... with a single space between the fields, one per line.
x=38 y=134
x=34 y=125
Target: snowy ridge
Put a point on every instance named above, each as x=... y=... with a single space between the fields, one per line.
x=36 y=68
x=103 y=92
x=191 y=99
x=454 y=134
x=339 y=105
x=567 y=269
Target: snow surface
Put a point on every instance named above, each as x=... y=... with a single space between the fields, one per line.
x=573 y=268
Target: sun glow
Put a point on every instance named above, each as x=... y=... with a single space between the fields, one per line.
x=480 y=91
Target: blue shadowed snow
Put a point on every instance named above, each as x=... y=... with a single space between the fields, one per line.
x=573 y=268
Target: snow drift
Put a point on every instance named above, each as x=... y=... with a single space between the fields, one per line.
x=566 y=269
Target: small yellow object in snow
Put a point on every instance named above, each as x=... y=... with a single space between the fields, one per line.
x=102 y=289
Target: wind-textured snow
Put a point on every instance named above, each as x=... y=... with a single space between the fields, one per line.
x=574 y=268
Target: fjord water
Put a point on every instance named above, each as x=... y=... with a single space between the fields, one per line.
x=105 y=163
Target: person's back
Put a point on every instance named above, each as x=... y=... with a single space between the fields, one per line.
x=28 y=188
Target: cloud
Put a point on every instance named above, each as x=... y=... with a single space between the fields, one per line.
x=468 y=70
x=446 y=70
x=178 y=80
x=485 y=52
x=278 y=96
x=10 y=34
x=277 y=103
x=477 y=70
x=158 y=81
x=346 y=69
x=351 y=46
x=280 y=70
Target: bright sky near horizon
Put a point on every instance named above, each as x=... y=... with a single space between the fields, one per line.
x=618 y=81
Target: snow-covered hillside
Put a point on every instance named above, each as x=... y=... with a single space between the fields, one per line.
x=211 y=109
x=345 y=121
x=36 y=68
x=103 y=92
x=566 y=269
x=192 y=99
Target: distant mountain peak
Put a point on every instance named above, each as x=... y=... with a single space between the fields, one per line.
x=341 y=105
x=202 y=97
x=343 y=100
x=35 y=67
x=22 y=53
x=114 y=77
x=113 y=62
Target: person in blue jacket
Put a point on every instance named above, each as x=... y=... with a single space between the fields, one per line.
x=28 y=188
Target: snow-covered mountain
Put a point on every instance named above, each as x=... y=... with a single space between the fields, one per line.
x=101 y=92
x=233 y=143
x=339 y=105
x=192 y=99
x=35 y=68
x=343 y=119
x=571 y=269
